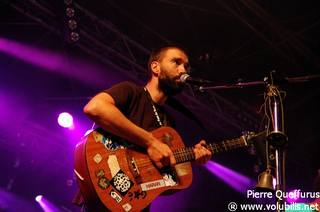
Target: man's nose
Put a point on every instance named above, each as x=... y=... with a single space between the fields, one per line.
x=182 y=70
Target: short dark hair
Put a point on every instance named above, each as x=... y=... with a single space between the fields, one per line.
x=157 y=54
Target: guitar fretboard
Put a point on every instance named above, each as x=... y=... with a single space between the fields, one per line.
x=187 y=154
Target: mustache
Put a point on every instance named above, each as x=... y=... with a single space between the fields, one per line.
x=178 y=77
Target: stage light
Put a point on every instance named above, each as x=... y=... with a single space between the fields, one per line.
x=74 y=36
x=38 y=198
x=293 y=196
x=46 y=205
x=70 y=12
x=72 y=24
x=65 y=120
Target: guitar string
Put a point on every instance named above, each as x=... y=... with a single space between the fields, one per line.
x=183 y=154
x=186 y=154
x=144 y=162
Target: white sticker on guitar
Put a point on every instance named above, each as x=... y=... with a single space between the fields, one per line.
x=121 y=182
x=127 y=207
x=113 y=165
x=152 y=185
x=97 y=158
x=168 y=180
x=114 y=195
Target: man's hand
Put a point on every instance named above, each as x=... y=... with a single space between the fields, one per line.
x=161 y=154
x=202 y=154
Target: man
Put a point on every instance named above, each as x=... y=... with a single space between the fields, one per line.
x=131 y=112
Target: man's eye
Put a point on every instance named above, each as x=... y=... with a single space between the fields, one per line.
x=177 y=62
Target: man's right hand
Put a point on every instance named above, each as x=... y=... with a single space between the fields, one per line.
x=161 y=154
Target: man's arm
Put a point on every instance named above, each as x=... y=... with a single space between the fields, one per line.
x=103 y=111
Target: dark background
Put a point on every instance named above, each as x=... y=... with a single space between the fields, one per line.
x=228 y=41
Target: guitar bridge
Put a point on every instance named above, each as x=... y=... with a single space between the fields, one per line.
x=134 y=168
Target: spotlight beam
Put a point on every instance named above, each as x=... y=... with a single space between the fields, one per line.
x=234 y=179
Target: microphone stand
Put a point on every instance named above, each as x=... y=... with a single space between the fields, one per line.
x=276 y=136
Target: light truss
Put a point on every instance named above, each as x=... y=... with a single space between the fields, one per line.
x=117 y=50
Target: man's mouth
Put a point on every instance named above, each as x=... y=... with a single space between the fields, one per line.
x=178 y=78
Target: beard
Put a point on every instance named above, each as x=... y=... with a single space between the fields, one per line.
x=169 y=86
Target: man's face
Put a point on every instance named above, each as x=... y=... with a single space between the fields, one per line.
x=173 y=64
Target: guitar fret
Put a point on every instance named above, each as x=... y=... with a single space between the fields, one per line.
x=180 y=155
x=184 y=154
x=177 y=155
x=216 y=148
x=192 y=156
x=224 y=145
x=187 y=154
x=190 y=153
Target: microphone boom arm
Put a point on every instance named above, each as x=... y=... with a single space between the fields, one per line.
x=259 y=83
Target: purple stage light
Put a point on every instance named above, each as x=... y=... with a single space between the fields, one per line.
x=293 y=196
x=58 y=63
x=10 y=201
x=39 y=198
x=46 y=205
x=236 y=180
x=65 y=120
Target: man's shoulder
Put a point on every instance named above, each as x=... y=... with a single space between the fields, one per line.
x=125 y=87
x=129 y=84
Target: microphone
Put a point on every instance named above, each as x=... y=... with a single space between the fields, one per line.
x=186 y=78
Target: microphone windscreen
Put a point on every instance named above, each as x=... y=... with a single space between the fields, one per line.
x=184 y=77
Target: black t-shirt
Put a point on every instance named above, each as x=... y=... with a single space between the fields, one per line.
x=136 y=104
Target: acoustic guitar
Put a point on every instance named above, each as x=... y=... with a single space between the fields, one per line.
x=122 y=176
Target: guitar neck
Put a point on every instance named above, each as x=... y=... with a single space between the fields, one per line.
x=187 y=154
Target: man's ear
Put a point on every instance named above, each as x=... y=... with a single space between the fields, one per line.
x=155 y=67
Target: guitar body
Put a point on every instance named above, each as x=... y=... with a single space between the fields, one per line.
x=124 y=178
